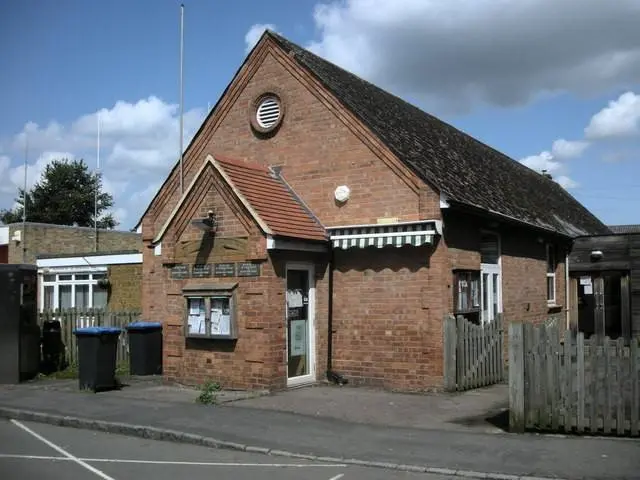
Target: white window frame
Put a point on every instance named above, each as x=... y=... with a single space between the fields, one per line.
x=57 y=283
x=491 y=269
x=551 y=260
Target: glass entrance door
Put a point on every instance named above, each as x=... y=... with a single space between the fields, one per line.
x=300 y=328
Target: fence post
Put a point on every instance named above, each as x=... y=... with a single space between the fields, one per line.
x=516 y=378
x=450 y=346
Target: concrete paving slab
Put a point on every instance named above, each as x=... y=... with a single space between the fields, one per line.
x=482 y=409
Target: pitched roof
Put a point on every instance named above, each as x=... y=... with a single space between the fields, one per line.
x=624 y=229
x=465 y=170
x=273 y=200
x=270 y=201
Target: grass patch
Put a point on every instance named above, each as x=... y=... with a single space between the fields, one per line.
x=209 y=393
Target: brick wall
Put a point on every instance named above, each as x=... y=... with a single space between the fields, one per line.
x=126 y=287
x=387 y=320
x=388 y=304
x=41 y=239
x=523 y=263
x=315 y=147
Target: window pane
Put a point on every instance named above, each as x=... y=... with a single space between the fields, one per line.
x=475 y=293
x=48 y=278
x=99 y=276
x=495 y=295
x=83 y=276
x=99 y=297
x=47 y=301
x=64 y=296
x=489 y=251
x=485 y=296
x=551 y=259
x=551 y=294
x=64 y=277
x=82 y=296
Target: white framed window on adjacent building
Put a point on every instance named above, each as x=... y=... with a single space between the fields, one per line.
x=551 y=274
x=79 y=289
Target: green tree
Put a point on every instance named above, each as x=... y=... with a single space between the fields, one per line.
x=64 y=195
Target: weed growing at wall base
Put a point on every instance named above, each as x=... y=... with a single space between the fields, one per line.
x=209 y=393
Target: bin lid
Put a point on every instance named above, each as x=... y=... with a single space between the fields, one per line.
x=144 y=325
x=97 y=331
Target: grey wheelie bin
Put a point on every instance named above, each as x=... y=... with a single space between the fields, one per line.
x=145 y=348
x=97 y=350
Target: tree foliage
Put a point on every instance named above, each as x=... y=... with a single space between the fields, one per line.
x=64 y=195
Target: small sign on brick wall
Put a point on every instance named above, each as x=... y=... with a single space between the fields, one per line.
x=248 y=269
x=201 y=270
x=179 y=272
x=224 y=269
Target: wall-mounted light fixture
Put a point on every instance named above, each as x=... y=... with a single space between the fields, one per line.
x=208 y=224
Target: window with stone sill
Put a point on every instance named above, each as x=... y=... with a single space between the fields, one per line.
x=210 y=312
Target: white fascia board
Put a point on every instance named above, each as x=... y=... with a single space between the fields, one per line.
x=90 y=261
x=301 y=246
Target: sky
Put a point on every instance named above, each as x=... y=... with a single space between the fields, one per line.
x=554 y=85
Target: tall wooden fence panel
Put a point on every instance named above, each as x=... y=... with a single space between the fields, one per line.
x=472 y=353
x=573 y=385
x=72 y=319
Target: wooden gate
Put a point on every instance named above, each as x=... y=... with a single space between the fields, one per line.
x=472 y=353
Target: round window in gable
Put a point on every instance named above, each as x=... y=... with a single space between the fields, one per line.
x=267 y=113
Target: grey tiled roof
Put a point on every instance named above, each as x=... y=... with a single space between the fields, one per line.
x=625 y=228
x=465 y=170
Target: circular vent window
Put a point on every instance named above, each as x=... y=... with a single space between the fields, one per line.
x=268 y=112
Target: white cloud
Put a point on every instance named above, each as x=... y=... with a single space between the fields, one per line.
x=542 y=161
x=551 y=162
x=456 y=52
x=566 y=182
x=620 y=119
x=139 y=144
x=254 y=33
x=564 y=149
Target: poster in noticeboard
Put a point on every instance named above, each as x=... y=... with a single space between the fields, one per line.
x=196 y=320
x=220 y=316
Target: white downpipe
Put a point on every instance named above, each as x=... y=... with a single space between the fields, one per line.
x=567 y=291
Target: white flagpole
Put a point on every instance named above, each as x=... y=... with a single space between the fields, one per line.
x=97 y=187
x=24 y=200
x=181 y=95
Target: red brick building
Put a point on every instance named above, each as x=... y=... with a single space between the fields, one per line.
x=325 y=224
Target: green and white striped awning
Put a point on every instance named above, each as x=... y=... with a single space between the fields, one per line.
x=397 y=235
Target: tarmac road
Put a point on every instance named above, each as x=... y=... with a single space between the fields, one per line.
x=35 y=450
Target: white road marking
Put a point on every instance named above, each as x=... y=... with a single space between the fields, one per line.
x=62 y=451
x=169 y=462
x=337 y=477
x=34 y=457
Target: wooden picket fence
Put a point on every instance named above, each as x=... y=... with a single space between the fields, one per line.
x=472 y=353
x=575 y=384
x=71 y=319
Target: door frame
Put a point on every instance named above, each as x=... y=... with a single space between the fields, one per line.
x=491 y=269
x=311 y=324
